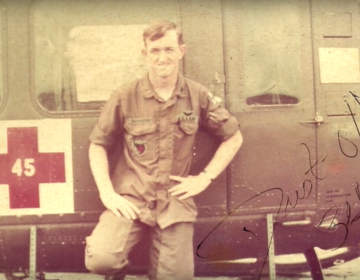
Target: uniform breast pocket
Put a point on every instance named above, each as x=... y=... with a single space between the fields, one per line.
x=184 y=136
x=141 y=140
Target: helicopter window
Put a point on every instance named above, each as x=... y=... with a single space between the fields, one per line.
x=100 y=56
x=272 y=43
x=2 y=18
x=86 y=49
x=271 y=99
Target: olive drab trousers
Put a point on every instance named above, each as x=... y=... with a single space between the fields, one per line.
x=171 y=249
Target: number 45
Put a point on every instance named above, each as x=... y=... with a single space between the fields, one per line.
x=28 y=166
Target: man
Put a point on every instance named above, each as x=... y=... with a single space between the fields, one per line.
x=150 y=193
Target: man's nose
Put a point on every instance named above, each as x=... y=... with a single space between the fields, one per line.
x=162 y=56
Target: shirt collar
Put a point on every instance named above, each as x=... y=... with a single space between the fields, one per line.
x=148 y=92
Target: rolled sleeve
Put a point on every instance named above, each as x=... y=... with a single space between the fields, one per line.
x=109 y=126
x=216 y=118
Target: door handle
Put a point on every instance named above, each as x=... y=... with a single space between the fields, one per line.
x=317 y=120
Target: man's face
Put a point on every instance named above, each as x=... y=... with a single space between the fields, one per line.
x=163 y=55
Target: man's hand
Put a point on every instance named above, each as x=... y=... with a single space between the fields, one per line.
x=189 y=186
x=120 y=206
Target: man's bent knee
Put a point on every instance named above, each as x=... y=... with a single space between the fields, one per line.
x=104 y=262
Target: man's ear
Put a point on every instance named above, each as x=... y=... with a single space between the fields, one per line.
x=182 y=51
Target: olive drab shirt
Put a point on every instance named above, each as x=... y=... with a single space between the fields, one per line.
x=158 y=137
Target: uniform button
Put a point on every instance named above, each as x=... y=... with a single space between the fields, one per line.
x=151 y=205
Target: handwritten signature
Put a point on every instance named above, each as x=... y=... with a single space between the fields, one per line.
x=307 y=188
x=304 y=194
x=332 y=212
x=334 y=224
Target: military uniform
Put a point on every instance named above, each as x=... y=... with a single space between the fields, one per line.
x=158 y=139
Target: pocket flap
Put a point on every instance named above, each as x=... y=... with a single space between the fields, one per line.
x=189 y=127
x=140 y=129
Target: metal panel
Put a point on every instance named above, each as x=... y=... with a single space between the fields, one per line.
x=335 y=101
x=279 y=139
x=339 y=138
x=204 y=62
x=337 y=25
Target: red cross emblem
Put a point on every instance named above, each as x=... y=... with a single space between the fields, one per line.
x=23 y=168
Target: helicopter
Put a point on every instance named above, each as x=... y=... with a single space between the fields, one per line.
x=288 y=70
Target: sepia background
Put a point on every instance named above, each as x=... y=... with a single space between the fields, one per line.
x=283 y=68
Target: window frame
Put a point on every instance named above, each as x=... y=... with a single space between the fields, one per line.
x=4 y=95
x=175 y=16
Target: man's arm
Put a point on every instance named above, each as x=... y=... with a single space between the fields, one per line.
x=193 y=185
x=99 y=165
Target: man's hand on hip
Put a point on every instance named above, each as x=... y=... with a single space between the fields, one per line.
x=189 y=186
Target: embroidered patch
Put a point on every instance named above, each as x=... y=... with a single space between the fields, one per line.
x=139 y=146
x=214 y=99
x=187 y=116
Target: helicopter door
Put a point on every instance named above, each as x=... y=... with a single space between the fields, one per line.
x=269 y=86
x=336 y=53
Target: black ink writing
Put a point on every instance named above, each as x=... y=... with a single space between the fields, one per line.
x=334 y=224
x=341 y=146
x=203 y=242
x=245 y=229
x=307 y=189
x=352 y=115
x=311 y=169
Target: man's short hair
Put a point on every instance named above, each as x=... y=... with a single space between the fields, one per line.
x=158 y=29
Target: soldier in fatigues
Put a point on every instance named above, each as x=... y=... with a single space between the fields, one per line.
x=150 y=193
